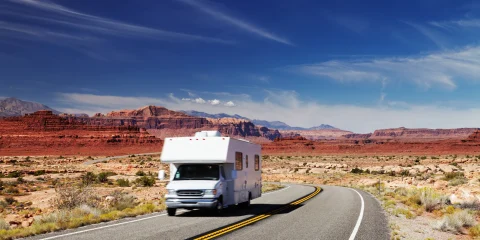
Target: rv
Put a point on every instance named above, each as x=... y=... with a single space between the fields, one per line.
x=211 y=171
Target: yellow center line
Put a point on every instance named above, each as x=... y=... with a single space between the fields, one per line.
x=257 y=218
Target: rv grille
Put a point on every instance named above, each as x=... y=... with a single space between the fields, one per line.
x=190 y=193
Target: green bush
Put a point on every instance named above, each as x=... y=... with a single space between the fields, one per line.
x=89 y=178
x=145 y=181
x=39 y=172
x=103 y=176
x=14 y=174
x=453 y=175
x=123 y=182
x=356 y=170
x=140 y=173
x=10 y=200
x=475 y=231
x=11 y=190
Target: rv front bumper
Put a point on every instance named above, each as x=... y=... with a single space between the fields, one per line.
x=191 y=203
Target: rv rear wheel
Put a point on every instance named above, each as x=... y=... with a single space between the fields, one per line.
x=171 y=211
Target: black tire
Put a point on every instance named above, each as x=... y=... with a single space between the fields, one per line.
x=245 y=204
x=171 y=211
x=219 y=208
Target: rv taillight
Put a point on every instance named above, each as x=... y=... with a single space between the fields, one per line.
x=204 y=139
x=223 y=138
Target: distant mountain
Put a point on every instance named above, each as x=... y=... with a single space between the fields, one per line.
x=269 y=124
x=16 y=107
x=208 y=115
x=321 y=127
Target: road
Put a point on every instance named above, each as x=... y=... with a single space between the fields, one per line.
x=335 y=213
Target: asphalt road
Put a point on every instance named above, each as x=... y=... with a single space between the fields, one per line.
x=335 y=213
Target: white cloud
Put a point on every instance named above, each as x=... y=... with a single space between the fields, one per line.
x=214 y=102
x=286 y=106
x=199 y=100
x=241 y=24
x=229 y=104
x=440 y=69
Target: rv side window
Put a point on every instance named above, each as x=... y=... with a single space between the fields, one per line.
x=238 y=161
x=257 y=162
x=246 y=161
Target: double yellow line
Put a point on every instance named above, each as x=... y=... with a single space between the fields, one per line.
x=252 y=220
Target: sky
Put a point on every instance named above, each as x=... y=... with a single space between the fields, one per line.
x=356 y=65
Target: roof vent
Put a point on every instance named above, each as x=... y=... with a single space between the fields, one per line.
x=203 y=134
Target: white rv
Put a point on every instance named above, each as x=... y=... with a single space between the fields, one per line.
x=211 y=171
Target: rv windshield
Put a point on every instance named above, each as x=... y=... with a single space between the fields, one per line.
x=197 y=172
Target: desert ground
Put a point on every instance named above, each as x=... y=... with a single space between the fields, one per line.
x=425 y=197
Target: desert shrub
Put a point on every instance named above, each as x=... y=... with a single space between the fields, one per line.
x=401 y=191
x=10 y=200
x=475 y=231
x=71 y=196
x=1 y=185
x=39 y=172
x=456 y=221
x=405 y=212
x=473 y=205
x=122 y=201
x=89 y=178
x=11 y=190
x=3 y=204
x=14 y=174
x=90 y=210
x=457 y=181
x=103 y=176
x=4 y=225
x=430 y=199
x=140 y=173
x=123 y=182
x=20 y=180
x=145 y=181
x=356 y=170
x=60 y=216
x=453 y=175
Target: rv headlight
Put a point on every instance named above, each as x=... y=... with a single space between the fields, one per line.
x=171 y=191
x=211 y=192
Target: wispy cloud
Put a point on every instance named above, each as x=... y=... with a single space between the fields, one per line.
x=440 y=69
x=276 y=103
x=57 y=24
x=431 y=34
x=104 y=25
x=209 y=9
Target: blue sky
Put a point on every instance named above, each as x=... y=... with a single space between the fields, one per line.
x=357 y=65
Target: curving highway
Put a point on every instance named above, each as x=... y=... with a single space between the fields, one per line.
x=335 y=213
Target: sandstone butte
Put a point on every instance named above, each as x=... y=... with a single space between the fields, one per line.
x=118 y=132
x=417 y=142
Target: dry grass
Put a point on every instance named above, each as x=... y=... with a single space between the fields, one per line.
x=77 y=217
x=456 y=222
x=268 y=187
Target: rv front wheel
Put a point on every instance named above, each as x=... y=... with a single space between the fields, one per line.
x=171 y=211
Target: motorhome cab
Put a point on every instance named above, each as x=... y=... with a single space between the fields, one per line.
x=211 y=171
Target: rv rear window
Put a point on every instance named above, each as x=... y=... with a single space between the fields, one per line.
x=238 y=161
x=257 y=162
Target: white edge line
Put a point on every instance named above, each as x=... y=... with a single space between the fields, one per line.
x=360 y=217
x=106 y=226
x=136 y=220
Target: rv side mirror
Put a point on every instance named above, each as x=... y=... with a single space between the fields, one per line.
x=161 y=175
x=234 y=174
